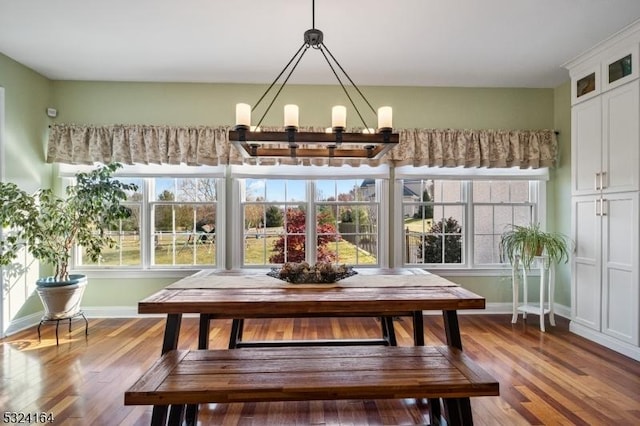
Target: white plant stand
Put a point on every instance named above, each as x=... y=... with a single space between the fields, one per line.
x=547 y=285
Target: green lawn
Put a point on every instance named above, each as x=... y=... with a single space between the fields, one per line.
x=257 y=252
x=415 y=225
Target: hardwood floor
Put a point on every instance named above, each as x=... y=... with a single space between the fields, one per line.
x=554 y=378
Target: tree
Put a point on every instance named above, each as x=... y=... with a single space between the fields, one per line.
x=274 y=217
x=355 y=214
x=291 y=246
x=425 y=211
x=448 y=231
x=253 y=215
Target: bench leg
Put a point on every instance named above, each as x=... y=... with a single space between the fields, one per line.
x=170 y=342
x=191 y=413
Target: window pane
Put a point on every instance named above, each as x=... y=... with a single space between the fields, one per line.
x=358 y=229
x=184 y=234
x=497 y=205
x=128 y=249
x=253 y=189
x=520 y=192
x=276 y=190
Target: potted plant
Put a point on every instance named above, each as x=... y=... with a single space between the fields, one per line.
x=49 y=227
x=527 y=242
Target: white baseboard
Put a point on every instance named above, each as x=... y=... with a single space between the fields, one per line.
x=606 y=341
x=132 y=312
x=22 y=323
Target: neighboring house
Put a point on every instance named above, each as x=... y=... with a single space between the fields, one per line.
x=368 y=187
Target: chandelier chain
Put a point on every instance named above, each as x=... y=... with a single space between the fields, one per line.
x=304 y=49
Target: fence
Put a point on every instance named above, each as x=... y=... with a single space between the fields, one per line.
x=365 y=238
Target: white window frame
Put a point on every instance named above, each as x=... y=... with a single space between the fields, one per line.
x=310 y=174
x=537 y=178
x=147 y=172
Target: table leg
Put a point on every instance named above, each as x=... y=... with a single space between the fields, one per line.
x=388 y=332
x=171 y=332
x=418 y=329
x=170 y=342
x=452 y=329
x=236 y=333
x=175 y=416
x=203 y=332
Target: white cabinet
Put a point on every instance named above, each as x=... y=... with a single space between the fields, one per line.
x=605 y=266
x=605 y=150
x=605 y=188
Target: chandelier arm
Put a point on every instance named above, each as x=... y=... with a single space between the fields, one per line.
x=349 y=78
x=279 y=75
x=305 y=46
x=342 y=85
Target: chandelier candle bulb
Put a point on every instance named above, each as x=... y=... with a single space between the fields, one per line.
x=291 y=116
x=243 y=115
x=385 y=118
x=339 y=117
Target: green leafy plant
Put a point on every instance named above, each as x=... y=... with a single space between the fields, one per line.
x=49 y=226
x=531 y=241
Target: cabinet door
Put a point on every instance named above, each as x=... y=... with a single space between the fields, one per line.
x=620 y=297
x=586 y=264
x=621 y=138
x=586 y=146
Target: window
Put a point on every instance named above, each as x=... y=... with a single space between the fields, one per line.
x=434 y=217
x=183 y=221
x=280 y=216
x=458 y=223
x=173 y=223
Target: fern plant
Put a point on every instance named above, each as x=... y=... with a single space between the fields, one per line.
x=531 y=241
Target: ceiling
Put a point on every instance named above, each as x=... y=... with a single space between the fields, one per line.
x=467 y=43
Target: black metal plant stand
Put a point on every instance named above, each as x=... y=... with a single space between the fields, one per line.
x=57 y=321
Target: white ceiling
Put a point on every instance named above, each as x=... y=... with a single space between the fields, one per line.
x=492 y=43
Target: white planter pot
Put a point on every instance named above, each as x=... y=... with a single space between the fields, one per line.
x=61 y=300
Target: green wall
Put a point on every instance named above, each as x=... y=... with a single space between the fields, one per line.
x=213 y=104
x=27 y=95
x=559 y=203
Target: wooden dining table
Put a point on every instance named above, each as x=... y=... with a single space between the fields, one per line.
x=379 y=293
x=239 y=295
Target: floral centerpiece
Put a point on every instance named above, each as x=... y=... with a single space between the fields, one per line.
x=303 y=273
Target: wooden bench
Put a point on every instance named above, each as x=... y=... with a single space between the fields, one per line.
x=183 y=377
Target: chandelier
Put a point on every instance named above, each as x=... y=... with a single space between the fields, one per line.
x=335 y=142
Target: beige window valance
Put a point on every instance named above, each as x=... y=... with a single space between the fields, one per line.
x=206 y=145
